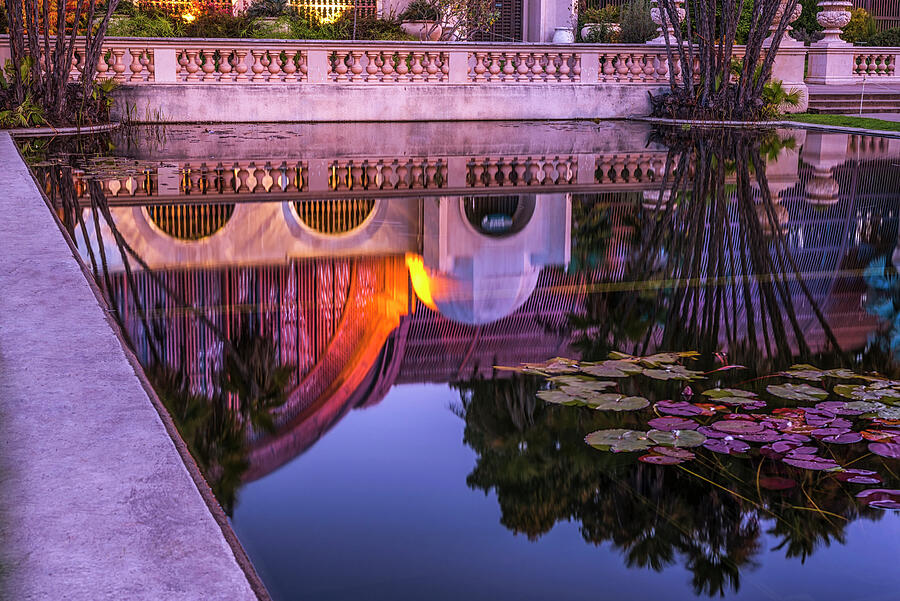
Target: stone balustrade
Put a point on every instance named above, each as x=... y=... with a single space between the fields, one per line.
x=875 y=62
x=173 y=60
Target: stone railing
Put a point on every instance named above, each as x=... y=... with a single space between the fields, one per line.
x=875 y=62
x=177 y=60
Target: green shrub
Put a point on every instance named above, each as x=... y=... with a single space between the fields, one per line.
x=219 y=25
x=420 y=10
x=637 y=27
x=888 y=37
x=860 y=28
x=607 y=14
x=147 y=24
x=372 y=28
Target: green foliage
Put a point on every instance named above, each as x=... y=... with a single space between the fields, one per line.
x=743 y=27
x=860 y=28
x=148 y=23
x=372 y=28
x=420 y=10
x=27 y=113
x=267 y=8
x=888 y=37
x=776 y=97
x=637 y=27
x=219 y=25
x=606 y=14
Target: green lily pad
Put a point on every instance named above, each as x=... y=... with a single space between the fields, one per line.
x=798 y=392
x=677 y=438
x=878 y=391
x=620 y=403
x=557 y=365
x=558 y=397
x=576 y=385
x=673 y=372
x=612 y=369
x=618 y=440
x=657 y=359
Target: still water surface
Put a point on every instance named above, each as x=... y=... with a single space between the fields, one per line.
x=322 y=309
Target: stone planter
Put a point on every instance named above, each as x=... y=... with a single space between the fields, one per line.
x=424 y=30
x=563 y=35
x=589 y=27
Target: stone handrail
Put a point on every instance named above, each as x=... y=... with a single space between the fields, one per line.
x=196 y=60
x=847 y=64
x=875 y=62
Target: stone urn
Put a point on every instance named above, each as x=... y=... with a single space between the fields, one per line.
x=834 y=16
x=424 y=30
x=656 y=16
x=588 y=28
x=563 y=35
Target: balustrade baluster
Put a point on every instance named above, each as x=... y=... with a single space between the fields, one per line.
x=417 y=68
x=564 y=69
x=479 y=68
x=522 y=65
x=537 y=66
x=356 y=68
x=209 y=66
x=118 y=65
x=240 y=65
x=289 y=66
x=136 y=66
x=372 y=68
x=431 y=67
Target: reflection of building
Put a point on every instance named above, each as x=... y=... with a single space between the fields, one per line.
x=359 y=294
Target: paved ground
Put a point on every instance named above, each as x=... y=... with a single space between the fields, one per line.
x=95 y=500
x=882 y=116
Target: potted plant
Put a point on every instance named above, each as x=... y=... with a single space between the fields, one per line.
x=600 y=24
x=422 y=19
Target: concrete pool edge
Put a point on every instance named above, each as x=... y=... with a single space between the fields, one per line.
x=48 y=543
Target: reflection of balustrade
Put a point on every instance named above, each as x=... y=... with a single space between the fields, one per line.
x=488 y=172
x=388 y=174
x=631 y=167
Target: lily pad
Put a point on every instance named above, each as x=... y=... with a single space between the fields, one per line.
x=776 y=483
x=886 y=449
x=845 y=438
x=673 y=372
x=726 y=446
x=738 y=427
x=557 y=365
x=838 y=408
x=674 y=452
x=811 y=462
x=881 y=498
x=618 y=440
x=877 y=391
x=660 y=459
x=798 y=392
x=677 y=438
x=612 y=369
x=669 y=423
x=558 y=397
x=682 y=408
x=618 y=402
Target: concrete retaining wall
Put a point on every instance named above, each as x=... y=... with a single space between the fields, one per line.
x=201 y=103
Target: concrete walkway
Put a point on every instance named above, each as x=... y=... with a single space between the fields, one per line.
x=95 y=499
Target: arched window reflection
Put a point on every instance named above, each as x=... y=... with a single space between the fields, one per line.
x=190 y=221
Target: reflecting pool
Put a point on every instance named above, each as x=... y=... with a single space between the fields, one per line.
x=329 y=311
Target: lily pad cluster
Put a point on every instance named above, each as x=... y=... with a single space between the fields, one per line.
x=809 y=418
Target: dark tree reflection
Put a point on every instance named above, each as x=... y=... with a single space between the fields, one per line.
x=707 y=267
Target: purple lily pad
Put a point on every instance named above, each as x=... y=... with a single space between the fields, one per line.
x=776 y=483
x=735 y=426
x=837 y=407
x=671 y=423
x=660 y=459
x=682 y=408
x=886 y=449
x=764 y=436
x=783 y=446
x=796 y=437
x=820 y=432
x=810 y=462
x=710 y=433
x=881 y=498
x=726 y=446
x=804 y=451
x=674 y=452
x=845 y=438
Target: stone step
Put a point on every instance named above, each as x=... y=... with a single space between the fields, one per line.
x=852 y=111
